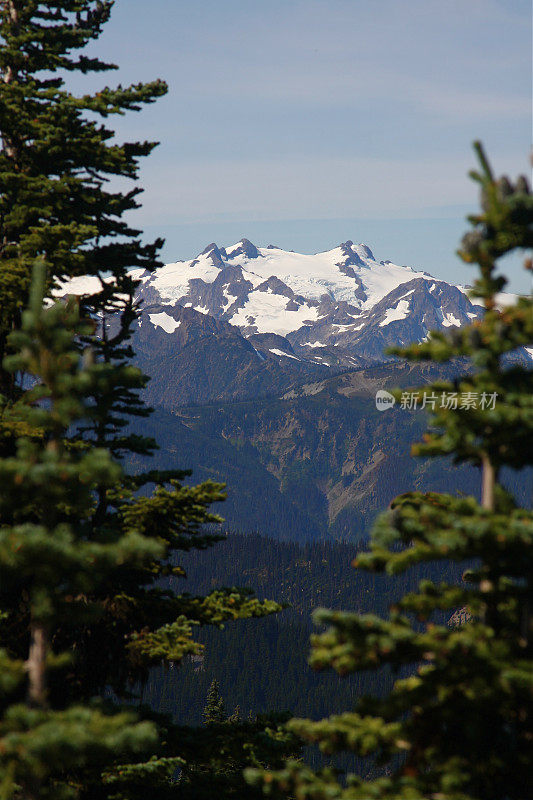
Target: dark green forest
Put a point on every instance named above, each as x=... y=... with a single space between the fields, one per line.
x=263 y=664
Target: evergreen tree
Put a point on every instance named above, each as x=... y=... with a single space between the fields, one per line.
x=214 y=709
x=65 y=496
x=51 y=568
x=56 y=161
x=457 y=724
x=67 y=577
x=215 y=756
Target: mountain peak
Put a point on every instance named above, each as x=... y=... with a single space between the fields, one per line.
x=339 y=297
x=215 y=253
x=244 y=247
x=207 y=250
x=352 y=257
x=356 y=252
x=364 y=251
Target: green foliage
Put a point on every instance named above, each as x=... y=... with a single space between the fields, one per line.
x=57 y=157
x=84 y=545
x=219 y=752
x=38 y=745
x=263 y=665
x=84 y=578
x=48 y=563
x=457 y=723
x=214 y=708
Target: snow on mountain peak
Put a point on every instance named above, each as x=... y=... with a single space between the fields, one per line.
x=244 y=247
x=348 y=274
x=336 y=297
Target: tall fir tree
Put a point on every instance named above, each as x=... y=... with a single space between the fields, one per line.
x=56 y=146
x=55 y=204
x=57 y=159
x=214 y=710
x=50 y=569
x=457 y=724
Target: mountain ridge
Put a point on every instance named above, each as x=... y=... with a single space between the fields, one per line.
x=344 y=290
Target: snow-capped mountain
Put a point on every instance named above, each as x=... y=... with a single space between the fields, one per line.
x=339 y=309
x=340 y=298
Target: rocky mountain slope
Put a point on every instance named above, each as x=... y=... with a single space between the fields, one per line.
x=264 y=368
x=321 y=461
x=196 y=358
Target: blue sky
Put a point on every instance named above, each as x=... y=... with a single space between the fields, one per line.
x=308 y=122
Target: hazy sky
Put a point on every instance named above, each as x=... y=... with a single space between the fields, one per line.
x=308 y=122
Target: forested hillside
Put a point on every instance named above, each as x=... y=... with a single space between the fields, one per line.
x=317 y=463
x=263 y=664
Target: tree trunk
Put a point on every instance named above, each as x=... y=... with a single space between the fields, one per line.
x=36 y=665
x=8 y=75
x=13 y=16
x=488 y=483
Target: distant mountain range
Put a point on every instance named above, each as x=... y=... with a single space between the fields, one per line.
x=264 y=366
x=342 y=299
x=329 y=309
